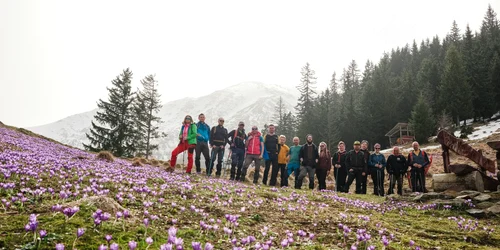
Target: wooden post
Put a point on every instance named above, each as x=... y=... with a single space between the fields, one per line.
x=446 y=158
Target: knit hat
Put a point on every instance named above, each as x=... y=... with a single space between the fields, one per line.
x=357 y=143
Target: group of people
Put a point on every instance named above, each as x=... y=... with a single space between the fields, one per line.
x=300 y=160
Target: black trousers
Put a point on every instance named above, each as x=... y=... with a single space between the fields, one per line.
x=218 y=153
x=305 y=171
x=378 y=181
x=393 y=179
x=274 y=175
x=360 y=181
x=340 y=178
x=417 y=179
x=321 y=175
x=273 y=159
x=201 y=147
x=237 y=158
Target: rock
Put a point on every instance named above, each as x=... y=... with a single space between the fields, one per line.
x=482 y=197
x=465 y=197
x=485 y=205
x=454 y=202
x=478 y=213
x=470 y=193
x=494 y=210
x=431 y=196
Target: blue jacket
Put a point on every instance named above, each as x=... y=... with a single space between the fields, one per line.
x=204 y=131
x=377 y=159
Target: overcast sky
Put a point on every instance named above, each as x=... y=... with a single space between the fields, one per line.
x=58 y=57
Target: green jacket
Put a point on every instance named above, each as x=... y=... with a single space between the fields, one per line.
x=192 y=133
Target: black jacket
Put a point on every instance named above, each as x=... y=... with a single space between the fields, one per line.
x=356 y=161
x=396 y=164
x=309 y=160
x=218 y=136
x=237 y=138
x=339 y=158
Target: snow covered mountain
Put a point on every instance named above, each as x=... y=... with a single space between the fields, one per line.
x=251 y=102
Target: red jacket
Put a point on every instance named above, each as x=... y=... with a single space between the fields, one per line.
x=253 y=146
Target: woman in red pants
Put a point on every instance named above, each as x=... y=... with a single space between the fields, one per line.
x=187 y=138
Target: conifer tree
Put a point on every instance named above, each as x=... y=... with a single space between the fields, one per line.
x=305 y=104
x=146 y=107
x=455 y=92
x=115 y=127
x=422 y=120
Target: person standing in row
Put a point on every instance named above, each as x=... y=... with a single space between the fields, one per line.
x=218 y=141
x=364 y=149
x=202 y=139
x=294 y=160
x=357 y=168
x=377 y=169
x=237 y=139
x=187 y=141
x=324 y=165
x=271 y=143
x=309 y=158
x=283 y=150
x=417 y=161
x=255 y=149
x=396 y=167
x=340 y=170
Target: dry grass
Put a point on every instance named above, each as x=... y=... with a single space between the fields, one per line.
x=105 y=155
x=137 y=163
x=154 y=162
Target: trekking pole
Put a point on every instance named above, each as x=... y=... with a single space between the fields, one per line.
x=378 y=182
x=209 y=170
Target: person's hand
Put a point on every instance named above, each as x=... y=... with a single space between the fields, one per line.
x=260 y=156
x=327 y=173
x=351 y=170
x=409 y=169
x=363 y=174
x=213 y=146
x=250 y=137
x=221 y=146
x=379 y=166
x=316 y=160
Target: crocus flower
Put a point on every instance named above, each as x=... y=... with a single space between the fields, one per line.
x=196 y=245
x=108 y=238
x=59 y=246
x=42 y=233
x=208 y=246
x=114 y=246
x=149 y=240
x=80 y=232
x=132 y=245
x=102 y=247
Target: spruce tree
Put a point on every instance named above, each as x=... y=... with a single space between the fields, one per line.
x=305 y=104
x=279 y=111
x=115 y=127
x=146 y=107
x=454 y=36
x=455 y=92
x=422 y=121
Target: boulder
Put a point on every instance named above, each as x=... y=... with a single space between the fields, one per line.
x=465 y=197
x=478 y=213
x=485 y=205
x=470 y=193
x=494 y=210
x=482 y=197
x=431 y=196
x=455 y=202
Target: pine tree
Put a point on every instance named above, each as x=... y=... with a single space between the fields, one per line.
x=115 y=127
x=493 y=81
x=146 y=107
x=455 y=92
x=422 y=120
x=305 y=102
x=454 y=36
x=279 y=112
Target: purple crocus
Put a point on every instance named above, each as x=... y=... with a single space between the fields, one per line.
x=132 y=245
x=59 y=246
x=103 y=247
x=412 y=243
x=80 y=232
x=149 y=240
x=196 y=245
x=114 y=246
x=108 y=238
x=166 y=247
x=42 y=233
x=208 y=246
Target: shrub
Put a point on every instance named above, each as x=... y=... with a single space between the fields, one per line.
x=105 y=155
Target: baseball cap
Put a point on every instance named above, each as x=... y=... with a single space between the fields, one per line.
x=357 y=143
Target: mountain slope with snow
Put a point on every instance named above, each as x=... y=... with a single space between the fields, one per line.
x=251 y=102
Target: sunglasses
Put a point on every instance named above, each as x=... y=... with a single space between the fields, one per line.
x=377 y=148
x=254 y=128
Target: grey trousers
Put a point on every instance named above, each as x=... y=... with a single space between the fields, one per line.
x=248 y=160
x=306 y=170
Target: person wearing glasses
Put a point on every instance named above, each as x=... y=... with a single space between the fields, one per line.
x=255 y=149
x=377 y=165
x=218 y=141
x=396 y=167
x=187 y=141
x=324 y=165
x=357 y=168
x=236 y=139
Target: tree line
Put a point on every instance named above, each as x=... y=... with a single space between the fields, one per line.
x=430 y=85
